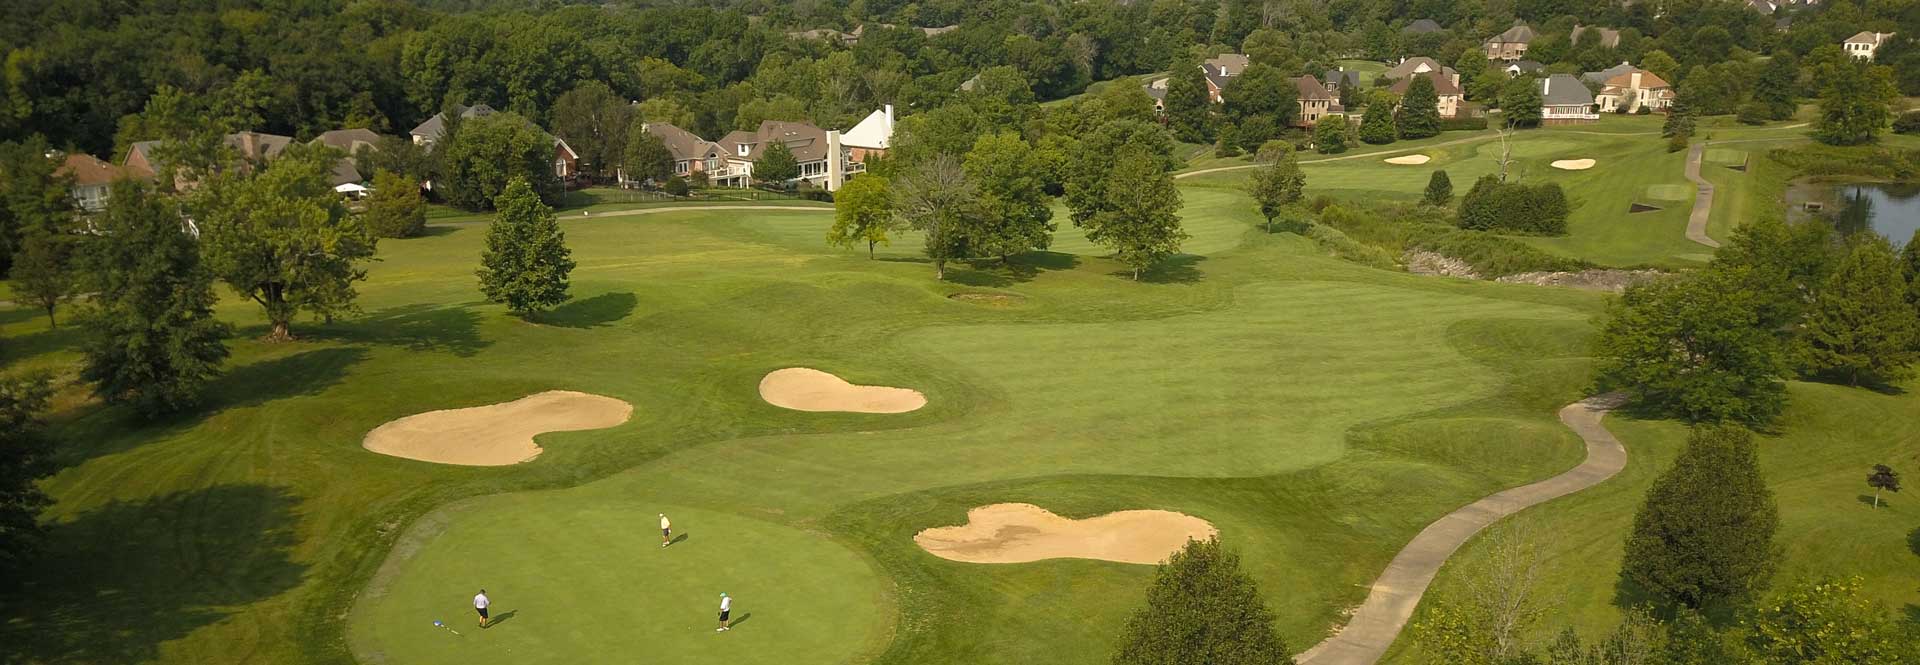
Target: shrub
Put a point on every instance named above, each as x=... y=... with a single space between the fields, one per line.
x=676 y=186
x=1906 y=123
x=1463 y=124
x=1512 y=207
x=1677 y=142
x=395 y=209
x=1398 y=229
x=1330 y=136
x=1753 y=113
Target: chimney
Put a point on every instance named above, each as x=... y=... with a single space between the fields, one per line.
x=836 y=165
x=1634 y=81
x=1546 y=86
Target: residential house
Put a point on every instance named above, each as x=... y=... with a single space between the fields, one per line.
x=1519 y=68
x=691 y=154
x=1510 y=45
x=1420 y=65
x=1564 y=100
x=1862 y=46
x=1609 y=37
x=1601 y=77
x=1634 y=90
x=1314 y=100
x=1446 y=88
x=1421 y=27
x=1762 y=6
x=92 y=180
x=827 y=34
x=1341 y=79
x=823 y=160
x=871 y=136
x=349 y=141
x=252 y=147
x=566 y=162
x=1157 y=89
x=1220 y=71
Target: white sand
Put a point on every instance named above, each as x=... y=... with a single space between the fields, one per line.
x=803 y=389
x=495 y=434
x=1409 y=159
x=1020 y=532
x=1573 y=164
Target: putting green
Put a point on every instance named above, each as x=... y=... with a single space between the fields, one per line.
x=1669 y=192
x=584 y=581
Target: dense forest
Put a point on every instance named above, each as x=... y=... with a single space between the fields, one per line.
x=80 y=72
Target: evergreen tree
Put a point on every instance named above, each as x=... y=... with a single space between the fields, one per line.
x=1774 y=89
x=42 y=271
x=1330 y=135
x=1202 y=609
x=1188 y=108
x=283 y=239
x=23 y=461
x=1419 y=110
x=1139 y=219
x=526 y=262
x=33 y=195
x=1704 y=535
x=1679 y=119
x=150 y=338
x=1855 y=104
x=1376 y=127
x=1692 y=346
x=1439 y=190
x=395 y=209
x=1277 y=185
x=862 y=212
x=1861 y=325
x=776 y=165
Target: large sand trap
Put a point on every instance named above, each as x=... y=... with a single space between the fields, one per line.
x=495 y=434
x=1409 y=159
x=1021 y=532
x=803 y=389
x=1573 y=164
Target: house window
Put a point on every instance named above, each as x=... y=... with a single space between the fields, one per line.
x=682 y=167
x=745 y=148
x=560 y=167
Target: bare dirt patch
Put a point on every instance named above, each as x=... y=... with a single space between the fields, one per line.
x=990 y=299
x=1423 y=262
x=1409 y=160
x=803 y=389
x=1572 y=164
x=1022 y=532
x=495 y=434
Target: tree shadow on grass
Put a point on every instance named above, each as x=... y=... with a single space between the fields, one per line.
x=592 y=312
x=1913 y=542
x=453 y=329
x=975 y=277
x=19 y=313
x=15 y=349
x=1177 y=269
x=1867 y=500
x=115 y=583
x=299 y=374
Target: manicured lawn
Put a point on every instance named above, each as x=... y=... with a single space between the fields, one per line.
x=1317 y=412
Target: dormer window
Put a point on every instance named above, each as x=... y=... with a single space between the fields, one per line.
x=745 y=148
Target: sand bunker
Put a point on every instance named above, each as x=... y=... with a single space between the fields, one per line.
x=1409 y=159
x=803 y=389
x=1573 y=164
x=1020 y=532
x=495 y=434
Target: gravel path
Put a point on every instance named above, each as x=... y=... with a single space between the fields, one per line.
x=1398 y=590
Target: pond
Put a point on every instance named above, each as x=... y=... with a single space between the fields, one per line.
x=1889 y=209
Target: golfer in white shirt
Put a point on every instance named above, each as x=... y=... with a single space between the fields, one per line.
x=480 y=604
x=666 y=531
x=726 y=606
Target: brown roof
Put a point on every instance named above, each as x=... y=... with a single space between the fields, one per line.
x=682 y=143
x=257 y=146
x=808 y=143
x=1442 y=85
x=1407 y=67
x=347 y=139
x=1648 y=80
x=88 y=170
x=1311 y=89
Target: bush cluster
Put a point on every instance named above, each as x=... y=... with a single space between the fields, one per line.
x=1398 y=229
x=1513 y=207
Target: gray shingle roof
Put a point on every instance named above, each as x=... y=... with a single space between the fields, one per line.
x=1422 y=26
x=1564 y=90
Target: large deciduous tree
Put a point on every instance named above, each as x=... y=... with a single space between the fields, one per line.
x=1138 y=212
x=1704 y=535
x=1860 y=325
x=1202 y=609
x=283 y=239
x=647 y=156
x=1276 y=185
x=1855 y=104
x=480 y=157
x=862 y=213
x=1692 y=346
x=594 y=121
x=23 y=461
x=43 y=270
x=1188 y=106
x=935 y=198
x=395 y=209
x=1828 y=621
x=526 y=261
x=150 y=340
x=1012 y=178
x=776 y=165
x=1774 y=89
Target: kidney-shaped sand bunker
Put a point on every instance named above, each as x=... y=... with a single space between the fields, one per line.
x=803 y=389
x=1022 y=532
x=495 y=434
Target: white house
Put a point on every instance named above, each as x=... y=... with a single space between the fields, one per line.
x=1862 y=46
